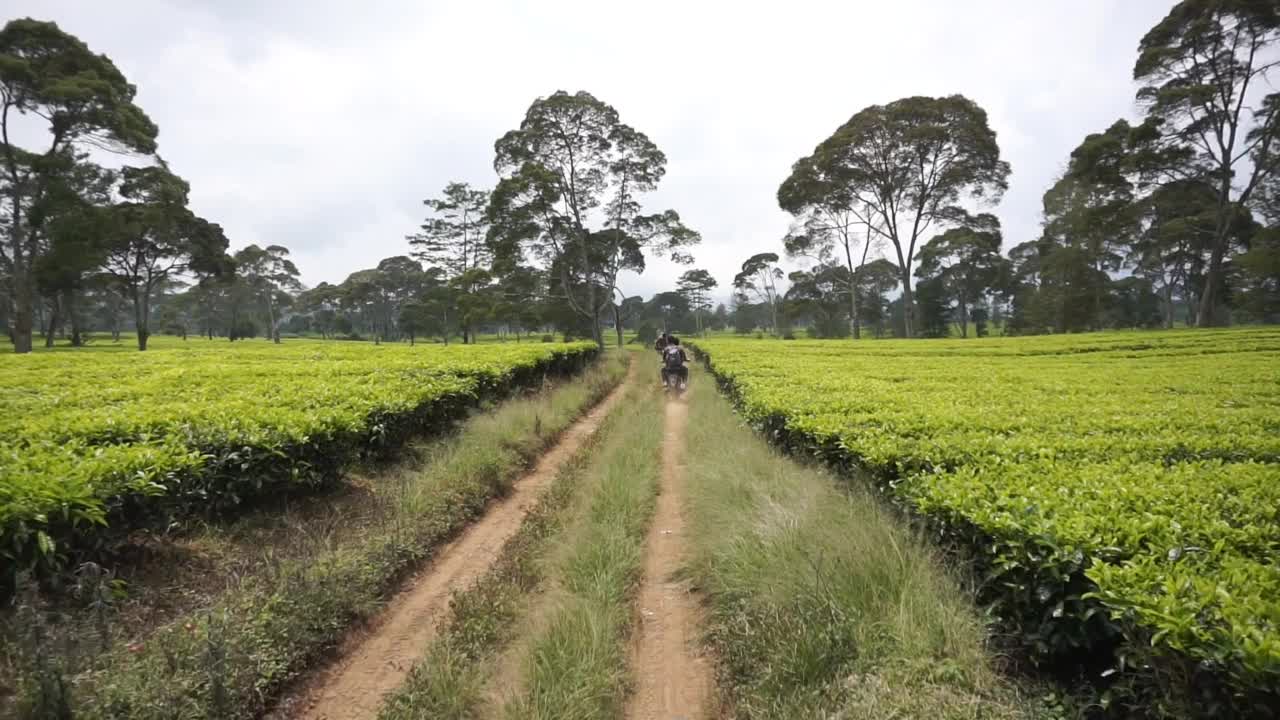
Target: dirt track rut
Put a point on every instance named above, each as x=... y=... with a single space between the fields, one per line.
x=673 y=679
x=377 y=662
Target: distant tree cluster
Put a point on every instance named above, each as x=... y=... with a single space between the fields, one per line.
x=1169 y=221
x=86 y=247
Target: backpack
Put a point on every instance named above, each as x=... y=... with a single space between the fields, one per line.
x=672 y=357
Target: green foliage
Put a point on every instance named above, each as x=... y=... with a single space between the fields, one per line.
x=96 y=444
x=1119 y=492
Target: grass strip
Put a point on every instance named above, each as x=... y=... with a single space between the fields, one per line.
x=575 y=666
x=822 y=603
x=232 y=660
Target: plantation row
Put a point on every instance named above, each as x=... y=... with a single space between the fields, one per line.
x=95 y=443
x=1121 y=492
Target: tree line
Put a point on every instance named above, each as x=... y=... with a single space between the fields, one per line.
x=1171 y=219
x=1174 y=219
x=92 y=247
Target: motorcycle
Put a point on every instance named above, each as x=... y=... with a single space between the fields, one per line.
x=676 y=382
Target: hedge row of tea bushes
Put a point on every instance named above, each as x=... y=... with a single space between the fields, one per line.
x=94 y=443
x=1120 y=492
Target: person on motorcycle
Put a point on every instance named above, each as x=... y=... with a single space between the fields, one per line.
x=673 y=360
x=661 y=343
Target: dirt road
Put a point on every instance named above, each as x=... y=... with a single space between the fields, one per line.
x=353 y=686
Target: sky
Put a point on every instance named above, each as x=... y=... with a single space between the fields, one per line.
x=322 y=125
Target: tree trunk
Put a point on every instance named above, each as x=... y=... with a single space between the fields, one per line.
x=272 y=332
x=140 y=318
x=114 y=303
x=597 y=332
x=23 y=285
x=964 y=318
x=1206 y=314
x=52 y=325
x=617 y=324
x=908 y=306
x=854 y=320
x=73 y=314
x=40 y=317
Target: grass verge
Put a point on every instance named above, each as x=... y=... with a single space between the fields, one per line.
x=449 y=682
x=822 y=603
x=575 y=665
x=232 y=659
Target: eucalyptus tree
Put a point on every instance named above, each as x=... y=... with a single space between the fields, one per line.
x=875 y=281
x=967 y=262
x=1208 y=89
x=454 y=240
x=759 y=279
x=270 y=275
x=72 y=210
x=906 y=168
x=153 y=239
x=816 y=294
x=696 y=286
x=82 y=99
x=571 y=178
x=829 y=229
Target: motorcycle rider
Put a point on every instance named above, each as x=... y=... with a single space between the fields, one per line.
x=661 y=342
x=674 y=359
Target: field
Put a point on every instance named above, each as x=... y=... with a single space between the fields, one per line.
x=599 y=547
x=1120 y=493
x=96 y=442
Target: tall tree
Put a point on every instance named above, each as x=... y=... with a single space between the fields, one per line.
x=83 y=99
x=453 y=239
x=1091 y=208
x=154 y=239
x=1171 y=250
x=759 y=278
x=875 y=280
x=967 y=262
x=1206 y=71
x=816 y=294
x=73 y=210
x=521 y=295
x=270 y=274
x=696 y=286
x=829 y=228
x=571 y=176
x=906 y=168
x=1259 y=264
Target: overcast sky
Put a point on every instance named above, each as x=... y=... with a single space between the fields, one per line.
x=322 y=125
